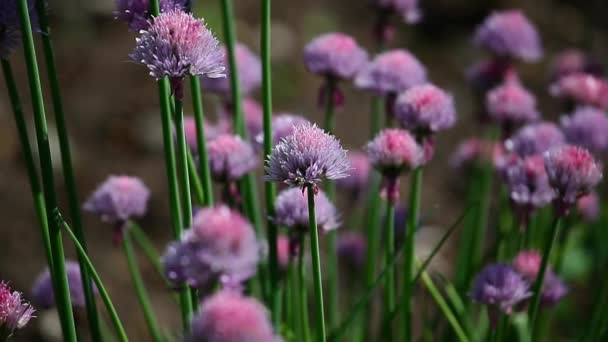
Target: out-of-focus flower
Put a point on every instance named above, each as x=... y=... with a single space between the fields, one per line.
x=358 y=179
x=249 y=69
x=291 y=210
x=553 y=290
x=487 y=74
x=588 y=207
x=42 y=290
x=230 y=158
x=306 y=157
x=391 y=72
x=587 y=127
x=136 y=13
x=252 y=114
x=284 y=252
x=470 y=152
x=509 y=34
x=573 y=61
x=118 y=199
x=409 y=10
x=190 y=130
x=510 y=104
x=499 y=285
x=394 y=151
x=221 y=245
x=15 y=313
x=535 y=139
x=582 y=89
x=334 y=55
x=352 y=248
x=425 y=109
x=10 y=29
x=527 y=263
x=228 y=316
x=282 y=127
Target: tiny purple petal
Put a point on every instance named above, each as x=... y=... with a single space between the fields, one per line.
x=425 y=109
x=291 y=210
x=230 y=157
x=118 y=199
x=587 y=127
x=391 y=72
x=334 y=55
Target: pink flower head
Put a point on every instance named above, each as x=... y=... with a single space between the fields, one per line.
x=282 y=127
x=358 y=179
x=509 y=34
x=394 y=151
x=14 y=312
x=291 y=210
x=487 y=74
x=221 y=245
x=425 y=109
x=391 y=72
x=588 y=207
x=42 y=290
x=230 y=157
x=334 y=55
x=587 y=127
x=527 y=263
x=136 y=13
x=228 y=316
x=528 y=183
x=582 y=89
x=409 y=10
x=535 y=138
x=249 y=68
x=572 y=173
x=511 y=104
x=118 y=199
x=306 y=157
x=573 y=61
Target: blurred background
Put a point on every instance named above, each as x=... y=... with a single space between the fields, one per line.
x=112 y=110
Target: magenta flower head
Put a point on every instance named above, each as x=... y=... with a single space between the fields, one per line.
x=220 y=246
x=573 y=61
x=282 y=127
x=10 y=29
x=500 y=287
x=358 y=179
x=352 y=248
x=572 y=172
x=306 y=157
x=291 y=211
x=42 y=290
x=425 y=110
x=509 y=34
x=334 y=55
x=582 y=89
x=510 y=104
x=15 y=313
x=587 y=127
x=228 y=316
x=230 y=157
x=394 y=151
x=588 y=207
x=136 y=13
x=391 y=72
x=535 y=138
x=527 y=263
x=249 y=68
x=177 y=45
x=487 y=74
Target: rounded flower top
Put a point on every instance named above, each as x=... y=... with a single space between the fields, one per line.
x=230 y=157
x=291 y=210
x=572 y=172
x=352 y=248
x=527 y=263
x=358 y=179
x=425 y=109
x=587 y=127
x=583 y=89
x=511 y=104
x=572 y=61
x=228 y=316
x=249 y=68
x=407 y=9
x=221 y=245
x=118 y=199
x=394 y=151
x=500 y=285
x=391 y=72
x=306 y=157
x=534 y=139
x=177 y=45
x=42 y=290
x=528 y=183
x=14 y=312
x=509 y=34
x=136 y=13
x=335 y=55
x=282 y=127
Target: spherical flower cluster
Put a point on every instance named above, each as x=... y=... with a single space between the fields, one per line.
x=572 y=173
x=42 y=290
x=587 y=127
x=252 y=114
x=394 y=151
x=407 y=9
x=391 y=72
x=228 y=316
x=582 y=89
x=588 y=207
x=534 y=139
x=572 y=61
x=352 y=248
x=136 y=13
x=501 y=286
x=487 y=74
x=118 y=199
x=334 y=55
x=511 y=104
x=528 y=184
x=230 y=158
x=282 y=126
x=306 y=157
x=509 y=34
x=221 y=245
x=528 y=263
x=291 y=210
x=425 y=109
x=14 y=312
x=10 y=31
x=249 y=69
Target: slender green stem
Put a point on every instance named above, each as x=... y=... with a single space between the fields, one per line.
x=538 y=283
x=316 y=265
x=203 y=160
x=140 y=289
x=182 y=163
x=61 y=288
x=303 y=295
x=195 y=181
x=599 y=313
x=466 y=238
x=103 y=293
x=389 y=248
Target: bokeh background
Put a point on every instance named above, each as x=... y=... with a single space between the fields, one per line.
x=113 y=120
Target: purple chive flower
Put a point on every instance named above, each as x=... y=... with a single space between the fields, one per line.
x=228 y=316
x=282 y=127
x=391 y=72
x=535 y=139
x=118 y=199
x=394 y=151
x=573 y=61
x=588 y=207
x=487 y=74
x=509 y=34
x=572 y=172
x=334 y=55
x=190 y=130
x=527 y=263
x=15 y=313
x=358 y=179
x=553 y=290
x=501 y=287
x=306 y=157
x=582 y=89
x=10 y=29
x=407 y=9
x=252 y=113
x=136 y=13
x=291 y=210
x=352 y=248
x=425 y=109
x=587 y=127
x=511 y=104
x=230 y=157
x=249 y=68
x=220 y=245
x=42 y=290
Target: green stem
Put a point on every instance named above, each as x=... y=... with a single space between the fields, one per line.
x=316 y=265
x=61 y=288
x=203 y=160
x=599 y=313
x=182 y=163
x=195 y=182
x=466 y=238
x=303 y=296
x=389 y=228
x=140 y=289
